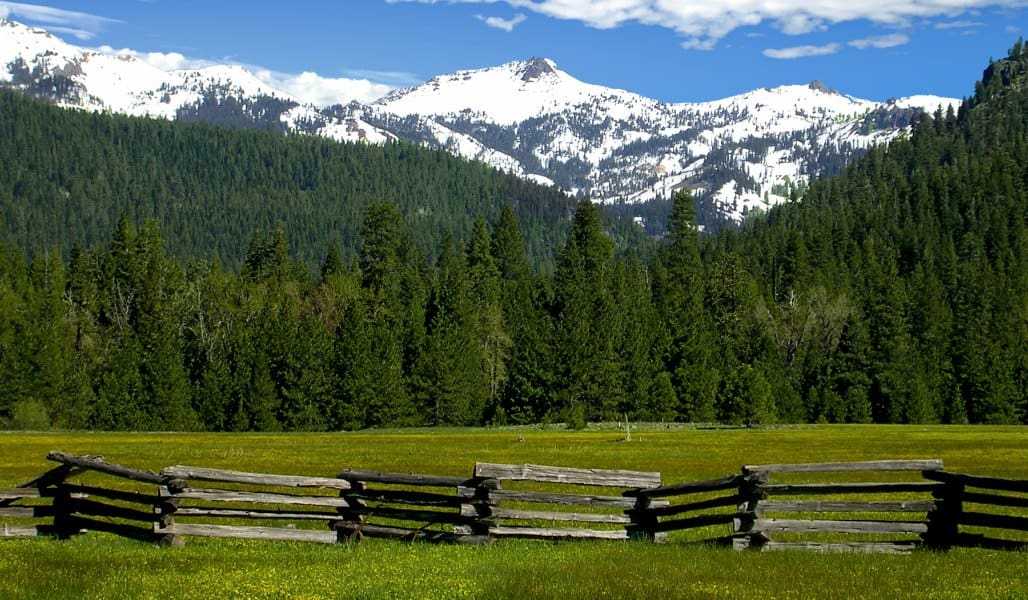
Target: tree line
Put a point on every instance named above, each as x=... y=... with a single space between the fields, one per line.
x=122 y=337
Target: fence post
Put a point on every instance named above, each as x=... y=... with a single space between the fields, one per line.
x=479 y=508
x=52 y=481
x=750 y=494
x=163 y=510
x=351 y=513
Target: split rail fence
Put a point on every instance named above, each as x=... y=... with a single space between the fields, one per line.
x=878 y=506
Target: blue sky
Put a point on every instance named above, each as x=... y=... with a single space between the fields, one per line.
x=672 y=50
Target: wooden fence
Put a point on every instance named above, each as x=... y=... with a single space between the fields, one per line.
x=394 y=510
x=878 y=506
x=770 y=509
x=608 y=517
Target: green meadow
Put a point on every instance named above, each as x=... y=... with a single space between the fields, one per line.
x=103 y=566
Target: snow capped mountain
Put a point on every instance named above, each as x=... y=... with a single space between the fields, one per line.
x=741 y=153
x=529 y=118
x=507 y=94
x=35 y=61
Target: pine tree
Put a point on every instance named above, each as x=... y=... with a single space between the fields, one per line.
x=589 y=381
x=493 y=339
x=638 y=338
x=380 y=262
x=368 y=361
x=450 y=384
x=528 y=389
x=679 y=288
x=333 y=263
x=155 y=323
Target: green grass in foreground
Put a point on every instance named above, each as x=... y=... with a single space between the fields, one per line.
x=102 y=566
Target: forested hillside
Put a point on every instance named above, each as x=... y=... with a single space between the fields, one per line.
x=897 y=292
x=68 y=175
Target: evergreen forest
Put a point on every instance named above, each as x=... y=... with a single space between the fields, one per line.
x=150 y=282
x=69 y=175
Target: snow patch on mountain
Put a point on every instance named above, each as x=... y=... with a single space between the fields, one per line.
x=925 y=102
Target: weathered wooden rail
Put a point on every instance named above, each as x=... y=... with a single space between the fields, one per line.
x=764 y=507
x=605 y=517
x=185 y=510
x=893 y=525
x=406 y=514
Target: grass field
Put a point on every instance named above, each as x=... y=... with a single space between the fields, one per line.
x=103 y=566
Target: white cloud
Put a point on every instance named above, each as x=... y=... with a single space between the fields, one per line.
x=307 y=87
x=81 y=34
x=703 y=24
x=391 y=78
x=173 y=61
x=881 y=41
x=82 y=25
x=165 y=61
x=799 y=23
x=324 y=91
x=958 y=24
x=507 y=25
x=802 y=51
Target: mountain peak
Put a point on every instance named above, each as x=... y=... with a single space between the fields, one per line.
x=535 y=68
x=9 y=23
x=26 y=30
x=504 y=94
x=818 y=86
